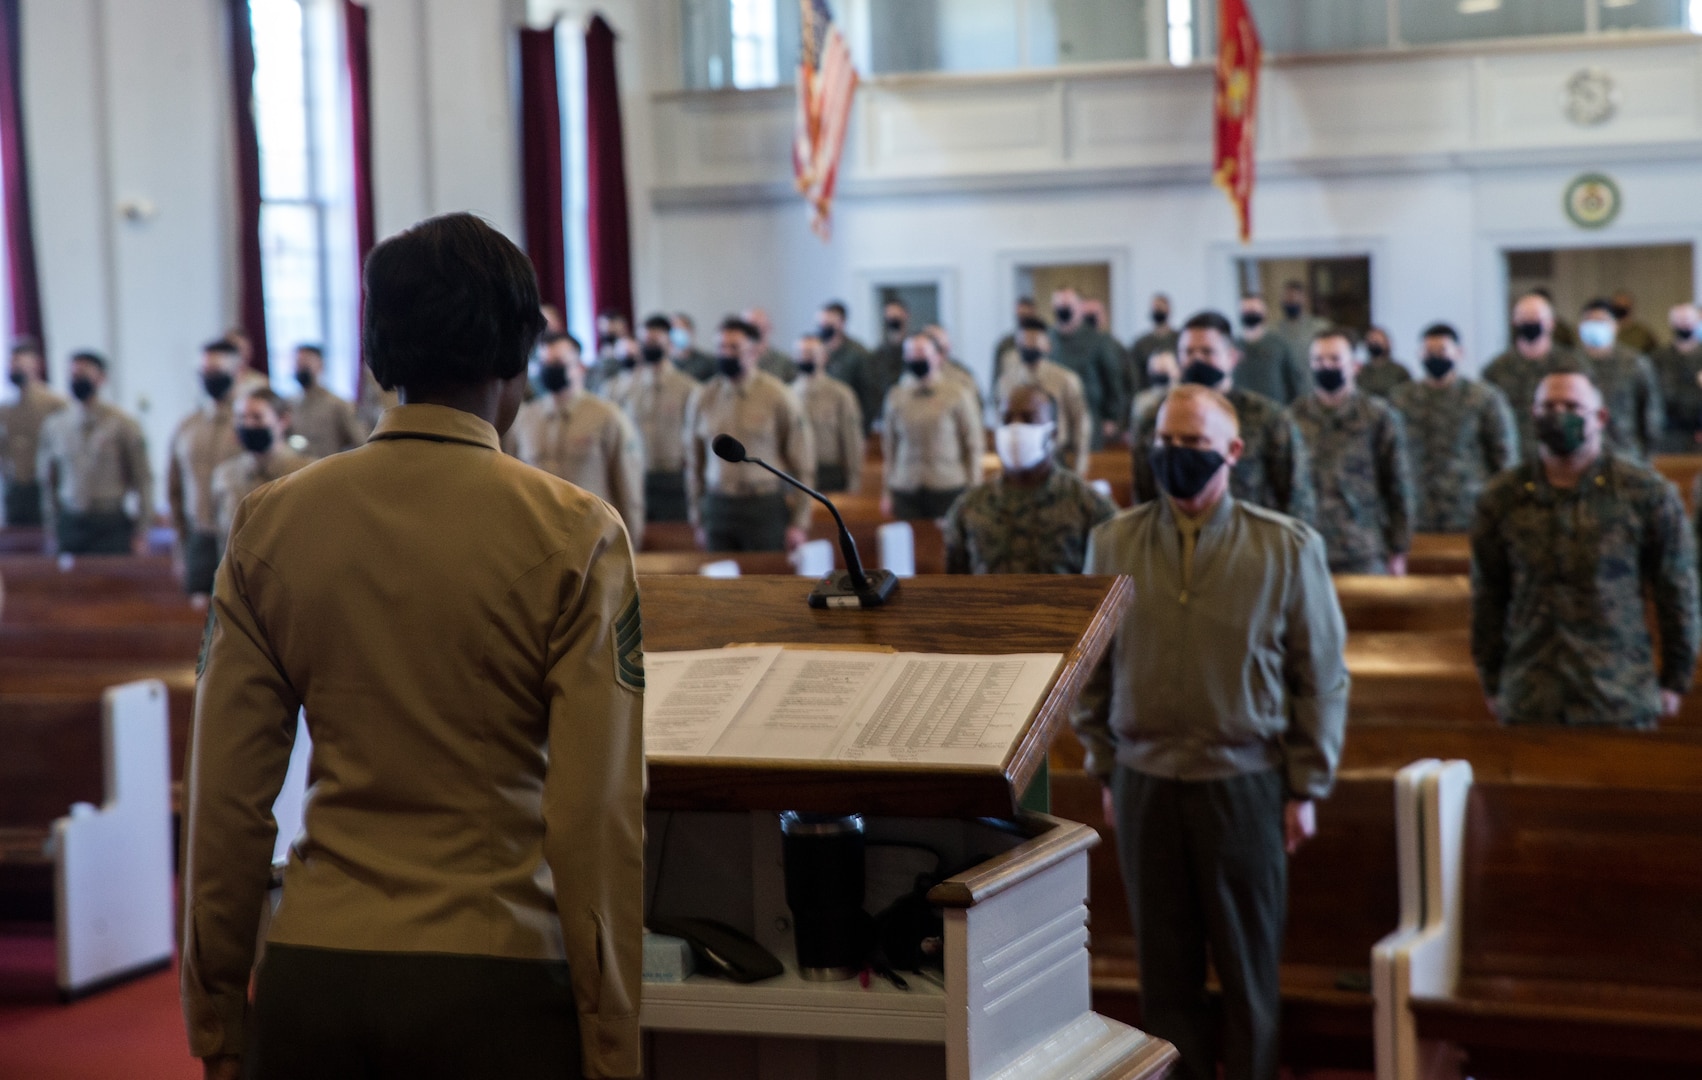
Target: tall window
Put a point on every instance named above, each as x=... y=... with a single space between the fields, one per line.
x=307 y=228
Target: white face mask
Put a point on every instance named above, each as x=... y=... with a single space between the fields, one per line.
x=1023 y=446
x=1597 y=333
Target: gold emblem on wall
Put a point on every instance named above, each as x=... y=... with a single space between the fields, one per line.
x=1592 y=201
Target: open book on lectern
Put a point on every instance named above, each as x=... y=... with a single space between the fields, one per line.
x=810 y=704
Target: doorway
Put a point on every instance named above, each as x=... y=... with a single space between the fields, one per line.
x=1656 y=275
x=920 y=298
x=1338 y=288
x=1091 y=280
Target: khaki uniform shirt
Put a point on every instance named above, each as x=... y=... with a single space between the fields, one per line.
x=20 y=431
x=327 y=422
x=89 y=459
x=463 y=633
x=1075 y=423
x=762 y=413
x=931 y=436
x=202 y=442
x=236 y=479
x=586 y=441
x=654 y=398
x=1237 y=670
x=836 y=422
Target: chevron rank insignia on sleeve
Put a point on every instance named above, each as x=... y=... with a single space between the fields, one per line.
x=629 y=647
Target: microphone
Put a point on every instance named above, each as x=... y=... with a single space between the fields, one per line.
x=854 y=588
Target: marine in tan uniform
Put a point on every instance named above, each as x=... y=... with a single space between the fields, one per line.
x=20 y=432
x=327 y=422
x=836 y=421
x=742 y=507
x=203 y=440
x=97 y=485
x=951 y=368
x=1074 y=441
x=654 y=396
x=772 y=360
x=571 y=433
x=464 y=634
x=931 y=437
x=247 y=379
x=262 y=421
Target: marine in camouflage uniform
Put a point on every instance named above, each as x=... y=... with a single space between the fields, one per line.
x=1381 y=375
x=999 y=527
x=1459 y=434
x=1627 y=383
x=1559 y=582
x=1274 y=471
x=1359 y=473
x=1681 y=394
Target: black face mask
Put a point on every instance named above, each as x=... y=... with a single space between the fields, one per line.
x=1184 y=471
x=305 y=379
x=1438 y=367
x=217 y=384
x=82 y=389
x=1202 y=374
x=1561 y=433
x=1250 y=319
x=1091 y=321
x=627 y=363
x=1064 y=313
x=1377 y=352
x=729 y=366
x=1031 y=357
x=1160 y=316
x=827 y=332
x=1620 y=311
x=1158 y=382
x=553 y=378
x=1679 y=333
x=1291 y=311
x=20 y=380
x=654 y=354
x=806 y=367
x=256 y=440
x=895 y=326
x=918 y=368
x=606 y=340
x=1329 y=380
x=1528 y=331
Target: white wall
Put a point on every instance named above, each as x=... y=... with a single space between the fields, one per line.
x=127 y=103
x=1431 y=161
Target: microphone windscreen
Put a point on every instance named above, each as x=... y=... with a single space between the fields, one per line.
x=728 y=448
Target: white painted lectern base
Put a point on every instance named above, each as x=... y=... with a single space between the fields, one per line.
x=1013 y=1003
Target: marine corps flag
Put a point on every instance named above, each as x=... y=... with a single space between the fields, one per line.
x=1235 y=107
x=827 y=85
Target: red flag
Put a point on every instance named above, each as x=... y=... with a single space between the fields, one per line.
x=1235 y=108
x=827 y=86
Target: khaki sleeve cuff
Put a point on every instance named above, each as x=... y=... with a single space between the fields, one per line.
x=609 y=1046
x=217 y=1026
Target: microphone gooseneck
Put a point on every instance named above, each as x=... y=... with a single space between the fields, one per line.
x=732 y=450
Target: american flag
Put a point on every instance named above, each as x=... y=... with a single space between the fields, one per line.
x=827 y=85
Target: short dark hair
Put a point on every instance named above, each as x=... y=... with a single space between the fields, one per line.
x=1343 y=332
x=553 y=337
x=26 y=343
x=837 y=307
x=1600 y=303
x=1209 y=320
x=897 y=303
x=1029 y=322
x=1294 y=283
x=681 y=316
x=1441 y=329
x=271 y=398
x=449 y=302
x=659 y=322
x=222 y=345
x=734 y=324
x=89 y=356
x=316 y=350
x=1025 y=301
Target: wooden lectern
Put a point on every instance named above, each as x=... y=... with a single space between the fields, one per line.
x=1014 y=1003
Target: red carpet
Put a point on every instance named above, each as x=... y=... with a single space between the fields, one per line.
x=133 y=1031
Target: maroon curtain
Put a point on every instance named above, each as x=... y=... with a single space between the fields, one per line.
x=20 y=236
x=605 y=167
x=251 y=283
x=540 y=164
x=359 y=56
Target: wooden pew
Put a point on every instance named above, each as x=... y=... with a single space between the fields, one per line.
x=1682 y=470
x=1409 y=604
x=1440 y=553
x=1578 y=947
x=1343 y=899
x=21 y=540
x=691 y=562
x=112 y=575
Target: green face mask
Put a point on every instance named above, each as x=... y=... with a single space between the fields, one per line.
x=1561 y=433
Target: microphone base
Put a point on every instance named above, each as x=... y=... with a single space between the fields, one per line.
x=835 y=591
